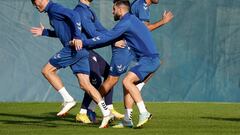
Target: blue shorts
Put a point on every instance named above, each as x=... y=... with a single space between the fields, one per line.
x=146 y=66
x=121 y=58
x=77 y=60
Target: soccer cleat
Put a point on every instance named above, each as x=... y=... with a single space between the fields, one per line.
x=106 y=120
x=124 y=124
x=66 y=106
x=82 y=118
x=92 y=116
x=143 y=118
x=116 y=114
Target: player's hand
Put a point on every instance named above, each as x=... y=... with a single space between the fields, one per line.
x=120 y=44
x=77 y=43
x=167 y=16
x=37 y=31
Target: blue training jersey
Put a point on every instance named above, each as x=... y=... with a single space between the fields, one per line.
x=133 y=31
x=91 y=26
x=65 y=22
x=141 y=10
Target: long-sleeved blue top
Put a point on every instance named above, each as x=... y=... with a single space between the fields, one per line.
x=91 y=26
x=133 y=31
x=65 y=22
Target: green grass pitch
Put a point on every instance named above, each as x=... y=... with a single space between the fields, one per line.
x=168 y=118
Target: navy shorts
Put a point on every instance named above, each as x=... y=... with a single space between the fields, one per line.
x=68 y=56
x=145 y=66
x=121 y=58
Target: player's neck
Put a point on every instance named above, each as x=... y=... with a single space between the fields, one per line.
x=149 y=2
x=124 y=13
x=85 y=2
x=44 y=3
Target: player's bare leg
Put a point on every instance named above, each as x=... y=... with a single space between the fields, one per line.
x=107 y=85
x=129 y=84
x=87 y=87
x=50 y=73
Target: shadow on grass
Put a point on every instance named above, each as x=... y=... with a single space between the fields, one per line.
x=47 y=120
x=222 y=119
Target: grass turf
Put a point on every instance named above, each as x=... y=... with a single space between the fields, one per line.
x=168 y=118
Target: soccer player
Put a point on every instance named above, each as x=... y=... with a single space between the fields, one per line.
x=91 y=27
x=140 y=8
x=120 y=56
x=142 y=45
x=67 y=26
x=98 y=68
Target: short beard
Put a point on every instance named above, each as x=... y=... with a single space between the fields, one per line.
x=116 y=17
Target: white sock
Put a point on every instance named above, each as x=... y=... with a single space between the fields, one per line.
x=110 y=107
x=66 y=96
x=140 y=86
x=92 y=106
x=141 y=107
x=128 y=114
x=103 y=108
x=83 y=111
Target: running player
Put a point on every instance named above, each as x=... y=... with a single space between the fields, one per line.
x=91 y=27
x=141 y=9
x=119 y=64
x=67 y=26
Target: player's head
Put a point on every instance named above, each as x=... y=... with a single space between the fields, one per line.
x=154 y=1
x=40 y=4
x=120 y=8
x=87 y=0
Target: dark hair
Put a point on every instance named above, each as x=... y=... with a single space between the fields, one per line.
x=33 y=2
x=122 y=2
x=114 y=1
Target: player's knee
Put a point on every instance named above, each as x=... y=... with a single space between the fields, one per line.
x=125 y=82
x=112 y=80
x=45 y=72
x=84 y=84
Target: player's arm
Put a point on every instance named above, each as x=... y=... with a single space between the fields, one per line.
x=49 y=33
x=99 y=27
x=167 y=17
x=107 y=38
x=41 y=31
